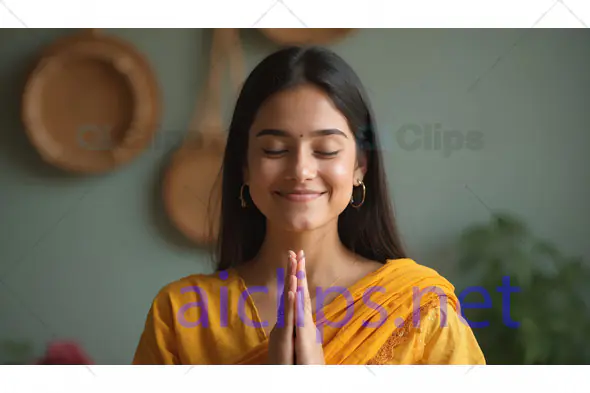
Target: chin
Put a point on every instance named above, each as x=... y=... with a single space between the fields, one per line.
x=297 y=222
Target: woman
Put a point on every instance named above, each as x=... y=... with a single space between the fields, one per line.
x=311 y=269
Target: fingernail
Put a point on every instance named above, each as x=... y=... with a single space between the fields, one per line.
x=301 y=254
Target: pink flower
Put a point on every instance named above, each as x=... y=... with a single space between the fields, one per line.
x=64 y=352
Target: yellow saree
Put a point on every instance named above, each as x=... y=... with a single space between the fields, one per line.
x=403 y=313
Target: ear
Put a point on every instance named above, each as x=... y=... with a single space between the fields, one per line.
x=361 y=167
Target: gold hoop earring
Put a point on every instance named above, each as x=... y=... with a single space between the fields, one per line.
x=364 y=195
x=242 y=200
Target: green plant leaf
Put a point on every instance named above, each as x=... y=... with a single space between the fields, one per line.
x=553 y=305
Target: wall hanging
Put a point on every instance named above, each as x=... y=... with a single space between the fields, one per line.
x=191 y=194
x=91 y=103
x=305 y=36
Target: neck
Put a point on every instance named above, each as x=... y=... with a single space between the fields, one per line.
x=325 y=255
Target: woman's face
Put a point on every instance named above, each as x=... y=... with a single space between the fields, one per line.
x=302 y=161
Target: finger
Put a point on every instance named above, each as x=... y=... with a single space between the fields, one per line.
x=293 y=287
x=293 y=278
x=288 y=272
x=304 y=285
x=284 y=301
x=281 y=342
x=291 y=282
x=293 y=271
x=291 y=290
x=305 y=328
x=306 y=292
x=288 y=341
x=305 y=309
x=293 y=263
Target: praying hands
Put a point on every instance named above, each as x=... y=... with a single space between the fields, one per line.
x=293 y=339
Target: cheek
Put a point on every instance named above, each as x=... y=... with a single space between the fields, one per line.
x=339 y=176
x=262 y=174
x=264 y=171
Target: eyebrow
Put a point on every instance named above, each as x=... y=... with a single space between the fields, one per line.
x=325 y=132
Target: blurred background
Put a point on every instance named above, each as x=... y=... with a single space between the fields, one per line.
x=486 y=140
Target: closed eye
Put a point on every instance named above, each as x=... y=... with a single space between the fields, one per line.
x=274 y=152
x=280 y=152
x=328 y=153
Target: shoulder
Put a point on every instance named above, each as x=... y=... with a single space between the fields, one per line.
x=413 y=281
x=411 y=268
x=434 y=332
x=175 y=319
x=406 y=268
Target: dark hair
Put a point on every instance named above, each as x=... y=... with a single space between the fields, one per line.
x=369 y=231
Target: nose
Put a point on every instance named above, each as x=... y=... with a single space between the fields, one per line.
x=302 y=166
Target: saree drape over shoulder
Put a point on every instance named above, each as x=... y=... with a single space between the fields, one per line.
x=403 y=313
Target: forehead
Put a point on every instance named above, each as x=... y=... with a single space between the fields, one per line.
x=300 y=110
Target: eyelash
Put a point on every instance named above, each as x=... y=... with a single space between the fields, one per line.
x=279 y=152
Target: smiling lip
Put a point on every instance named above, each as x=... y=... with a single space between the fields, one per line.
x=300 y=196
